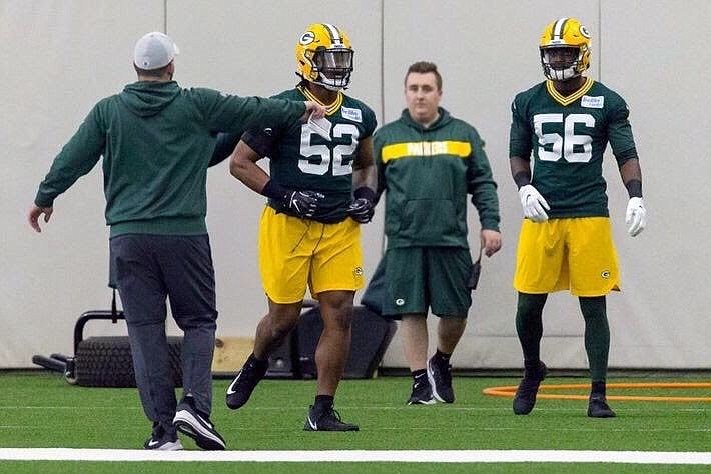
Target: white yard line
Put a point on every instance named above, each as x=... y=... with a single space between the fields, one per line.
x=483 y=456
x=576 y=407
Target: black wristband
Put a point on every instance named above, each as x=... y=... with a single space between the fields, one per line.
x=274 y=190
x=364 y=192
x=634 y=188
x=522 y=178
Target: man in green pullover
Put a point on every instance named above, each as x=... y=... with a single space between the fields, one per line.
x=157 y=139
x=429 y=161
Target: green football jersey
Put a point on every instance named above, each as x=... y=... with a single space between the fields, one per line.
x=300 y=159
x=568 y=136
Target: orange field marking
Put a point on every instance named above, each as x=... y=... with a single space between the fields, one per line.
x=510 y=391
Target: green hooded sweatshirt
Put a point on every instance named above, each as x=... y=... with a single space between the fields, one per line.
x=428 y=173
x=157 y=141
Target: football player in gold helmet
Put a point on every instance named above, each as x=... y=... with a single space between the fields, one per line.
x=324 y=57
x=565 y=49
x=565 y=123
x=321 y=188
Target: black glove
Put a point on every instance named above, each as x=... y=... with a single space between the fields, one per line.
x=303 y=204
x=362 y=208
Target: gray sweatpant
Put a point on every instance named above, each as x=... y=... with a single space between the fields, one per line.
x=149 y=268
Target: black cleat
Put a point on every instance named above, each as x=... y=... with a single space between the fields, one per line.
x=326 y=420
x=525 y=398
x=162 y=440
x=440 y=377
x=598 y=407
x=198 y=426
x=243 y=384
x=421 y=394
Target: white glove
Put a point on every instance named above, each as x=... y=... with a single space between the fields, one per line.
x=636 y=218
x=534 y=205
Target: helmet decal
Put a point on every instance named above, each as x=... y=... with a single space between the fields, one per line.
x=307 y=38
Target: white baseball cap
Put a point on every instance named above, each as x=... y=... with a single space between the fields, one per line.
x=154 y=50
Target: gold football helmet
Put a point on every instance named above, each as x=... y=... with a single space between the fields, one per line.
x=324 y=56
x=562 y=65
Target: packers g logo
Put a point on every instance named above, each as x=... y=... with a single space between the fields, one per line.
x=307 y=38
x=358 y=271
x=584 y=31
x=605 y=274
x=400 y=301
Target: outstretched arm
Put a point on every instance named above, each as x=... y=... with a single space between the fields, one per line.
x=76 y=159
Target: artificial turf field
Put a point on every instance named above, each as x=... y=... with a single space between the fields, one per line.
x=40 y=410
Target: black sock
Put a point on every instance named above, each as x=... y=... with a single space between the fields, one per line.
x=532 y=365
x=599 y=389
x=323 y=402
x=529 y=323
x=597 y=335
x=442 y=358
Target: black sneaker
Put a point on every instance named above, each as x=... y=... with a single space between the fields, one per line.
x=326 y=420
x=198 y=426
x=440 y=377
x=421 y=394
x=243 y=384
x=162 y=440
x=598 y=407
x=525 y=398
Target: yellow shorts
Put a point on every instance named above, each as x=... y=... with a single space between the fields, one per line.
x=560 y=254
x=294 y=252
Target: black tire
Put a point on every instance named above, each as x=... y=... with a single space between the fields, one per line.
x=106 y=362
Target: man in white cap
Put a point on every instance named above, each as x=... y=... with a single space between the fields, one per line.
x=154 y=51
x=157 y=140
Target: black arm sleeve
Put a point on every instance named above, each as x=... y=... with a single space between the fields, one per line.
x=224 y=147
x=261 y=141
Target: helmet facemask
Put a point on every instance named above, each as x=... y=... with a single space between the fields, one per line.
x=561 y=63
x=333 y=67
